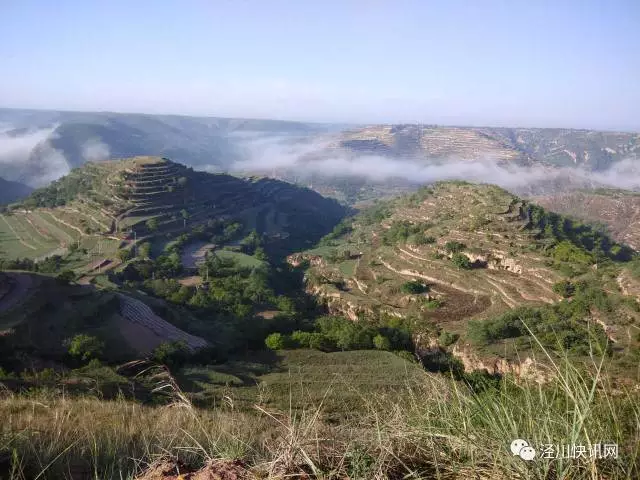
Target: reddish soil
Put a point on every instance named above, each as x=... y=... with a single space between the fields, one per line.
x=216 y=470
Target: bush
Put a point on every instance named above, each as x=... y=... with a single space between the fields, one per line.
x=461 y=261
x=85 y=347
x=564 y=288
x=433 y=303
x=124 y=254
x=275 y=341
x=420 y=239
x=66 y=276
x=454 y=247
x=446 y=338
x=414 y=287
x=171 y=354
x=152 y=224
x=381 y=342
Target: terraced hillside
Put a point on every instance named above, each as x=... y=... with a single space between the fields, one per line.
x=38 y=315
x=559 y=147
x=457 y=253
x=616 y=210
x=106 y=205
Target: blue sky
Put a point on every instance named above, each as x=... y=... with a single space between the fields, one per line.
x=540 y=63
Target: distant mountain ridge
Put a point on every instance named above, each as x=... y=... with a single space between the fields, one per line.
x=51 y=143
x=592 y=150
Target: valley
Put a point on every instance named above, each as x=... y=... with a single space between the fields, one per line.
x=146 y=284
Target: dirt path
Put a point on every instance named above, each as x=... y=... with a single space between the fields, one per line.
x=194 y=254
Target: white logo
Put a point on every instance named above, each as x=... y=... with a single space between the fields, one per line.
x=522 y=449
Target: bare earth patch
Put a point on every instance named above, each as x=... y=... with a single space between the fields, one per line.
x=216 y=470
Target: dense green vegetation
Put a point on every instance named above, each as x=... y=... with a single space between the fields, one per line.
x=562 y=326
x=574 y=238
x=403 y=231
x=334 y=333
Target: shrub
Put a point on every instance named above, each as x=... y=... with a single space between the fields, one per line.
x=171 y=354
x=420 y=239
x=66 y=276
x=381 y=342
x=446 y=338
x=124 y=254
x=275 y=341
x=454 y=247
x=85 y=347
x=433 y=303
x=414 y=287
x=564 y=288
x=461 y=261
x=144 y=250
x=152 y=224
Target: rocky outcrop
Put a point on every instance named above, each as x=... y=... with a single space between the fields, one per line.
x=526 y=369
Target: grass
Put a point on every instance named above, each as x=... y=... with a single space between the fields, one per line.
x=19 y=239
x=355 y=374
x=437 y=428
x=242 y=259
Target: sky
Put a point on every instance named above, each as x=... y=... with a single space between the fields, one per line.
x=542 y=63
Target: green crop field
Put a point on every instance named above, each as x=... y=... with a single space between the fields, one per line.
x=343 y=381
x=19 y=239
x=242 y=259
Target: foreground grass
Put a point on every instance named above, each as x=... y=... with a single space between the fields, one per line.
x=438 y=429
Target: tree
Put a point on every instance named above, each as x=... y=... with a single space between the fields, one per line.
x=275 y=341
x=414 y=287
x=124 y=254
x=461 y=261
x=260 y=254
x=182 y=181
x=85 y=347
x=184 y=214
x=454 y=247
x=144 y=250
x=66 y=276
x=152 y=224
x=381 y=342
x=564 y=288
x=171 y=354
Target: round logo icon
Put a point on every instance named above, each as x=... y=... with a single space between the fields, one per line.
x=522 y=449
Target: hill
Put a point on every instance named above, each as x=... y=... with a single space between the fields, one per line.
x=48 y=144
x=108 y=205
x=457 y=259
x=335 y=159
x=12 y=191
x=616 y=210
x=589 y=149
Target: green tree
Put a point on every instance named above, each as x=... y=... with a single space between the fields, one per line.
x=564 y=288
x=124 y=254
x=171 y=354
x=275 y=341
x=454 y=247
x=66 y=276
x=152 y=224
x=414 y=287
x=184 y=214
x=461 y=261
x=260 y=254
x=381 y=342
x=144 y=250
x=85 y=347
